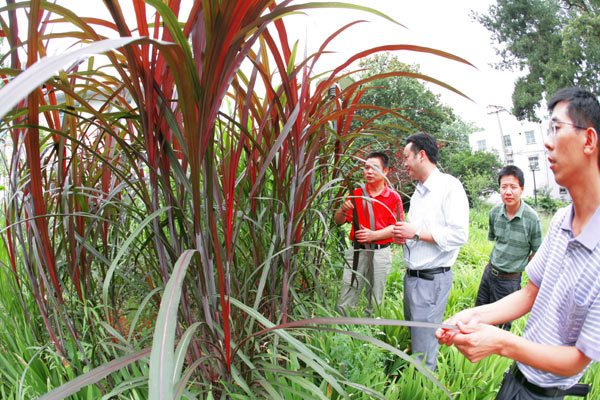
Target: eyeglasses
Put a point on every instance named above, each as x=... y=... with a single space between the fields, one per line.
x=553 y=126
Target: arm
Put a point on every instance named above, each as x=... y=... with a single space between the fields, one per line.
x=366 y=235
x=340 y=214
x=453 y=231
x=476 y=338
x=506 y=309
x=405 y=230
x=491 y=233
x=559 y=360
x=448 y=234
x=535 y=237
x=477 y=341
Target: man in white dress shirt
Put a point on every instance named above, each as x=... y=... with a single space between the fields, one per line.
x=438 y=225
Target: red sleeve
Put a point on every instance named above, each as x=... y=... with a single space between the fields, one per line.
x=349 y=216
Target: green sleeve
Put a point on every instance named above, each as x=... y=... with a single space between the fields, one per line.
x=536 y=235
x=491 y=235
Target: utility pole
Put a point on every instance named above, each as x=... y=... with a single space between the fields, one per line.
x=496 y=110
x=534 y=168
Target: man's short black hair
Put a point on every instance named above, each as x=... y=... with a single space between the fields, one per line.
x=423 y=141
x=385 y=160
x=583 y=107
x=514 y=171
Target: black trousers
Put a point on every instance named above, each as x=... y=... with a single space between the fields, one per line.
x=493 y=288
x=511 y=389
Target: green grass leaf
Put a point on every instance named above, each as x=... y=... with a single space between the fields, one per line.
x=162 y=360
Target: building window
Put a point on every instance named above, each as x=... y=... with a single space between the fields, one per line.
x=530 y=137
x=481 y=145
x=509 y=159
x=507 y=142
x=562 y=190
x=534 y=163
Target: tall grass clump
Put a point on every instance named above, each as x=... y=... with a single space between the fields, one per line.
x=170 y=178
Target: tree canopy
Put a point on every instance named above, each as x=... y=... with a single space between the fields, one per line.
x=556 y=43
x=422 y=108
x=477 y=171
x=419 y=109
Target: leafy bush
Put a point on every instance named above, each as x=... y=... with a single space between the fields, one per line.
x=477 y=171
x=546 y=203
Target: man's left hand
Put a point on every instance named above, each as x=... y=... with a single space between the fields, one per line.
x=477 y=340
x=364 y=235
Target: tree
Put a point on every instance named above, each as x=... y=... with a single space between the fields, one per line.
x=453 y=139
x=556 y=43
x=420 y=108
x=477 y=171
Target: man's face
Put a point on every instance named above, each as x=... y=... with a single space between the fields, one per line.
x=372 y=168
x=510 y=190
x=411 y=161
x=565 y=148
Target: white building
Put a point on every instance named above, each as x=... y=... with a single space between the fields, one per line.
x=520 y=143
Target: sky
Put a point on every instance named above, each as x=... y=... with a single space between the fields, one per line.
x=440 y=24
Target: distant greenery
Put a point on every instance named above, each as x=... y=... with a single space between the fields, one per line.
x=453 y=140
x=546 y=203
x=555 y=43
x=477 y=171
x=416 y=109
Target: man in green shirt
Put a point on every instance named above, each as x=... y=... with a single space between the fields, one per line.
x=516 y=231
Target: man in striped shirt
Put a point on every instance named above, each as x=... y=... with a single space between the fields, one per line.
x=562 y=335
x=517 y=232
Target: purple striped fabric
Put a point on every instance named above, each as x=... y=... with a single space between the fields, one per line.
x=566 y=312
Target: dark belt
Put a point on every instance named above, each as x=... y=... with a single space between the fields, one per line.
x=427 y=274
x=579 y=390
x=497 y=273
x=372 y=246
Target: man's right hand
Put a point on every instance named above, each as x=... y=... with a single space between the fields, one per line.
x=340 y=214
x=347 y=206
x=402 y=231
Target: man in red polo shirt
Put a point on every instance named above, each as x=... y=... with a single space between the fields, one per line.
x=378 y=208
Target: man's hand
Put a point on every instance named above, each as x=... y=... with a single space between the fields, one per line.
x=340 y=214
x=364 y=235
x=399 y=241
x=477 y=340
x=403 y=231
x=465 y=317
x=474 y=339
x=347 y=206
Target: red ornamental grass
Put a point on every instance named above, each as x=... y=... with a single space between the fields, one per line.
x=134 y=164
